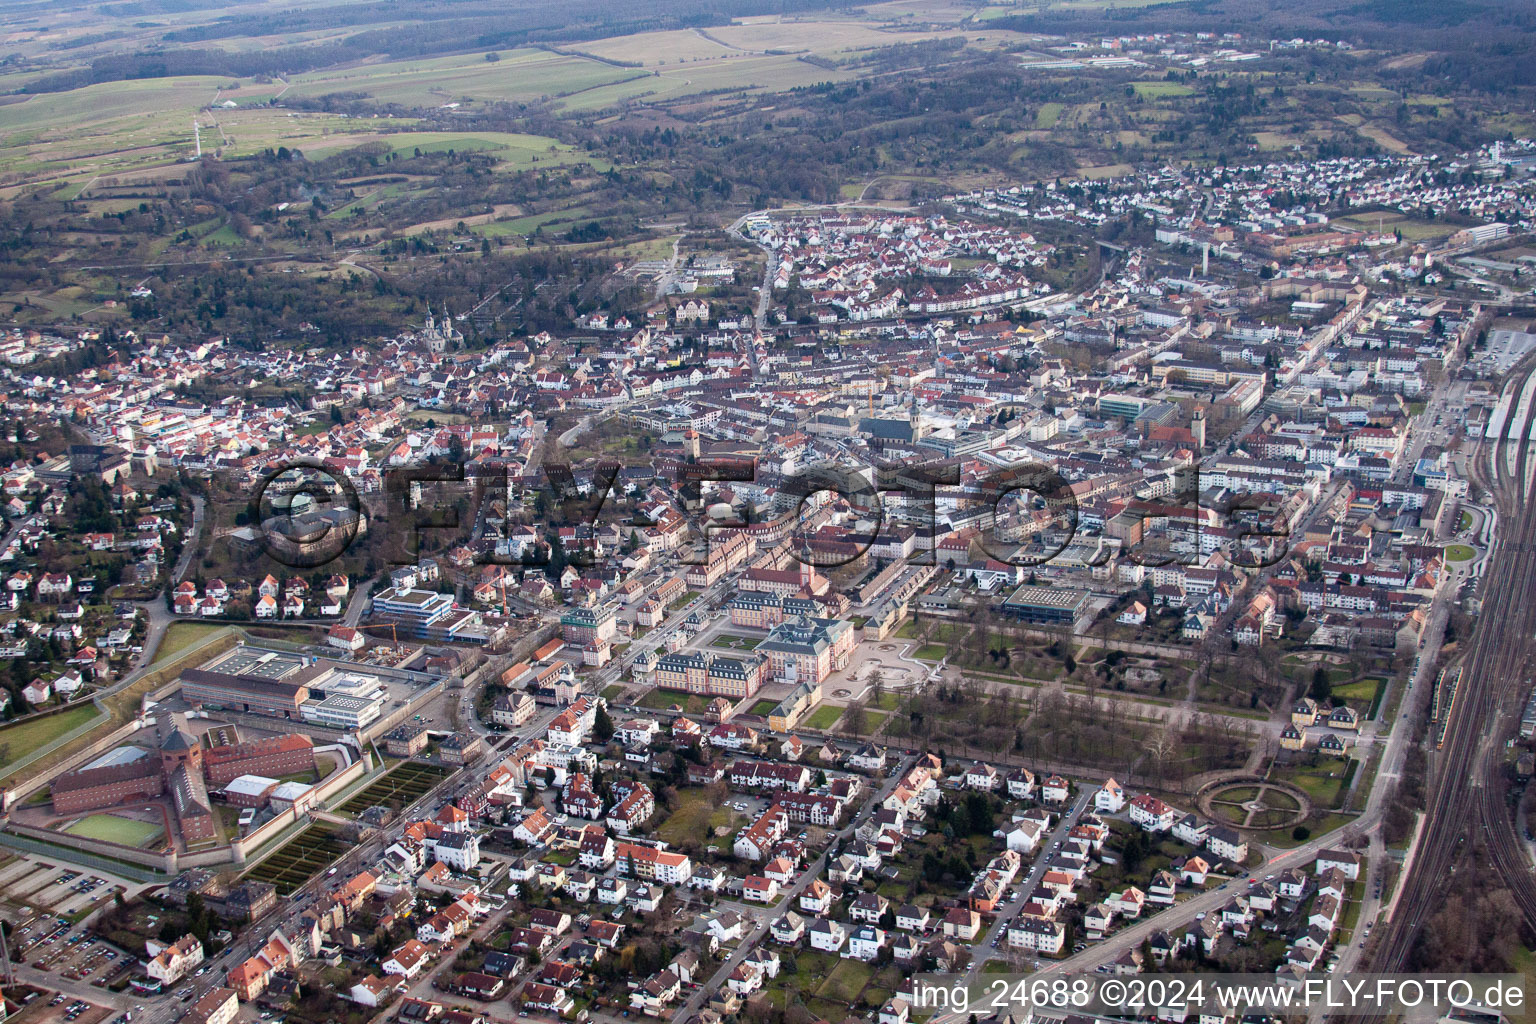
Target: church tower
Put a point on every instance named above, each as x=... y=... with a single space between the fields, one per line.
x=915 y=419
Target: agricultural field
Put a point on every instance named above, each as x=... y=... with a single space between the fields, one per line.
x=405 y=783
x=832 y=38
x=299 y=860
x=517 y=76
x=768 y=73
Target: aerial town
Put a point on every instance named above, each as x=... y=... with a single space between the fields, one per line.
x=1006 y=574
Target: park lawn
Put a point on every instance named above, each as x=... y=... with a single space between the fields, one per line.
x=21 y=739
x=930 y=652
x=887 y=702
x=1367 y=691
x=112 y=829
x=1321 y=783
x=696 y=818
x=824 y=717
x=612 y=692
x=1459 y=553
x=181 y=635
x=762 y=707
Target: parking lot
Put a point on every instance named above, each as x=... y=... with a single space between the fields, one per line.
x=61 y=891
x=50 y=944
x=62 y=1009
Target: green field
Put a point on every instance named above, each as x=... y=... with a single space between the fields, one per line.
x=824 y=717
x=181 y=635
x=1363 y=690
x=21 y=739
x=762 y=707
x=110 y=828
x=1323 y=782
x=1459 y=553
x=299 y=860
x=659 y=700
x=406 y=782
x=696 y=819
x=1161 y=90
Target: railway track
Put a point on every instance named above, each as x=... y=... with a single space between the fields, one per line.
x=1467 y=798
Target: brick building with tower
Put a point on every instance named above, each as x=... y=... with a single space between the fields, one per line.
x=176 y=768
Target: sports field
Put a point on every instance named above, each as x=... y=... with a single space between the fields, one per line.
x=109 y=828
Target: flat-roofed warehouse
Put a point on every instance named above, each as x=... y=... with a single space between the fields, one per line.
x=277 y=698
x=1046 y=605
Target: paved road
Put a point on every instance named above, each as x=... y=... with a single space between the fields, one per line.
x=984 y=950
x=356 y=603
x=765 y=921
x=189 y=542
